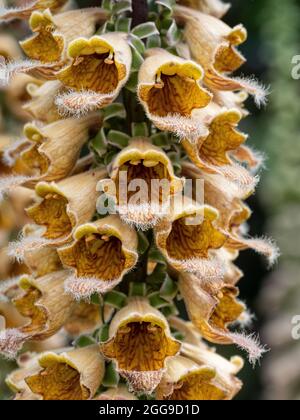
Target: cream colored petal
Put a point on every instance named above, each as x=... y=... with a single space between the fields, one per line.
x=140 y=342
x=120 y=393
x=54 y=149
x=215 y=8
x=63 y=206
x=72 y=375
x=23 y=12
x=16 y=381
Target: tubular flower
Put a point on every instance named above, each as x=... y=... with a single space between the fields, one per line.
x=213 y=310
x=101 y=254
x=170 y=90
x=234 y=213
x=25 y=11
x=212 y=153
x=145 y=166
x=62 y=207
x=71 y=375
x=40 y=104
x=140 y=342
x=100 y=67
x=188 y=237
x=42 y=261
x=211 y=7
x=52 y=34
x=213 y=45
x=16 y=380
x=200 y=375
x=54 y=149
x=84 y=319
x=43 y=304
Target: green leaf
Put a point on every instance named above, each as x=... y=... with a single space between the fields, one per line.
x=114 y=110
x=122 y=6
x=153 y=41
x=103 y=334
x=123 y=24
x=132 y=82
x=138 y=289
x=168 y=289
x=107 y=4
x=145 y=30
x=111 y=378
x=136 y=43
x=109 y=157
x=157 y=301
x=115 y=299
x=178 y=336
x=143 y=243
x=139 y=130
x=84 y=341
x=158 y=276
x=118 y=139
x=170 y=310
x=137 y=58
x=174 y=34
x=96 y=299
x=99 y=143
x=169 y=4
x=156 y=256
x=161 y=139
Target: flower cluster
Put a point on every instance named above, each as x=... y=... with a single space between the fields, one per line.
x=103 y=227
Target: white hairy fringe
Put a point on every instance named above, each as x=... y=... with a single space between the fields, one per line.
x=6 y=285
x=144 y=216
x=18 y=249
x=11 y=181
x=255 y=89
x=143 y=382
x=240 y=176
x=245 y=320
x=8 y=13
x=209 y=270
x=11 y=342
x=82 y=288
x=250 y=343
x=6 y=158
x=9 y=69
x=182 y=127
x=78 y=104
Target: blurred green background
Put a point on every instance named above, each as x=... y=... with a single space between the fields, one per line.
x=274 y=39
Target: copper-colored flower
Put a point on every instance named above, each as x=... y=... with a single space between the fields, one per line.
x=140 y=342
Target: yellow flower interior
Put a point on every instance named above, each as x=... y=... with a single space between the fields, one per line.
x=198 y=387
x=52 y=214
x=27 y=307
x=94 y=72
x=58 y=382
x=228 y=59
x=188 y=241
x=175 y=95
x=51 y=4
x=141 y=347
x=33 y=163
x=97 y=256
x=140 y=169
x=228 y=309
x=223 y=137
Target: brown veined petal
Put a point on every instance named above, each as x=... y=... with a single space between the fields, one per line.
x=185 y=380
x=188 y=236
x=213 y=45
x=170 y=89
x=53 y=33
x=72 y=375
x=99 y=69
x=24 y=12
x=54 y=149
x=63 y=206
x=84 y=319
x=141 y=162
x=100 y=255
x=16 y=379
x=45 y=304
x=215 y=8
x=42 y=261
x=140 y=342
x=214 y=311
